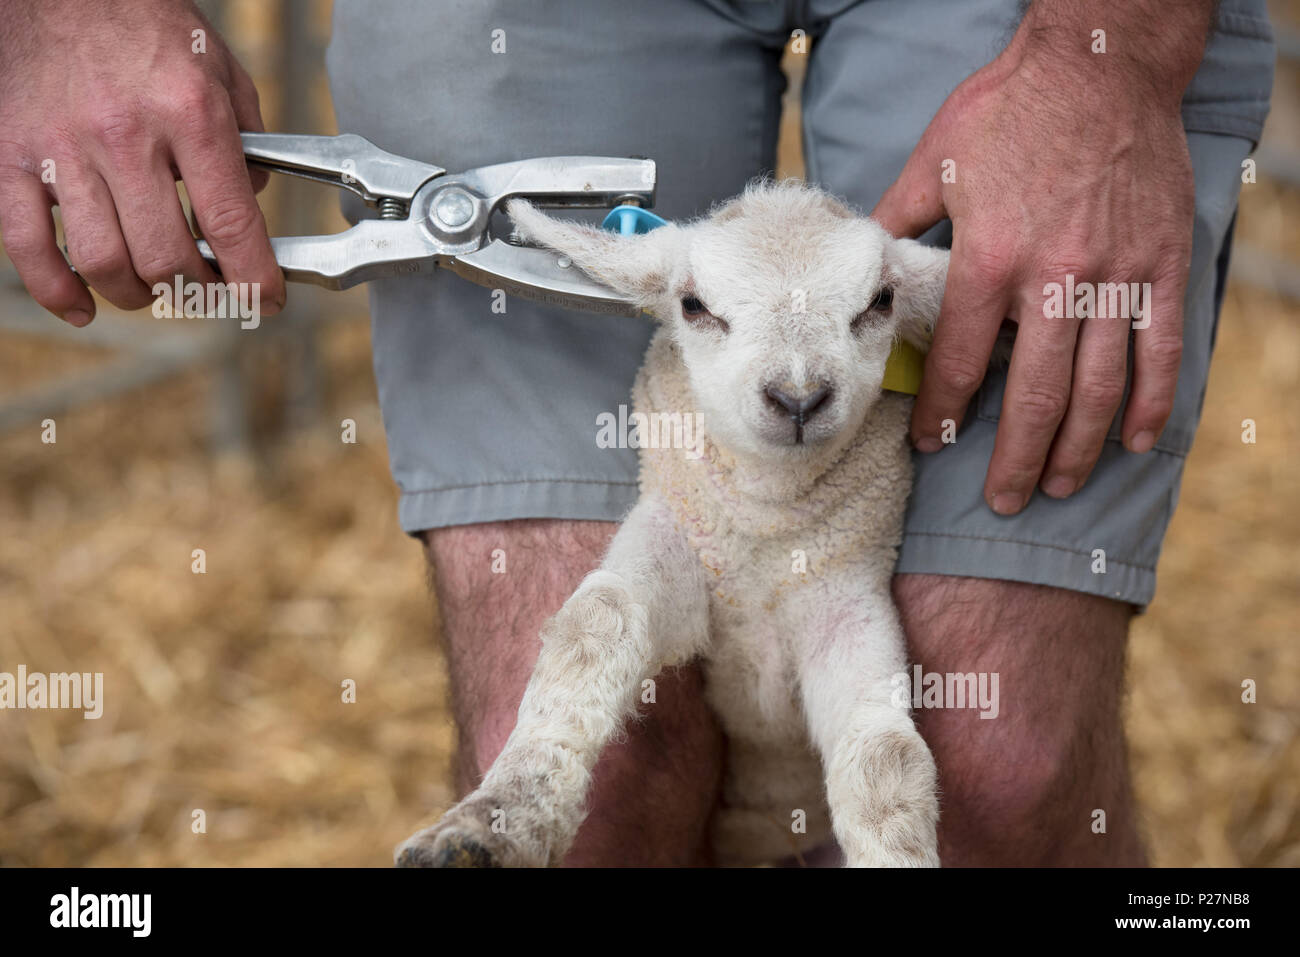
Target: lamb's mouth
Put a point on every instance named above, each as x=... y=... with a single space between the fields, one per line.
x=806 y=434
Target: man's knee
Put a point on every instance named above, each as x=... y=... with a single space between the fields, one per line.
x=1022 y=787
x=1017 y=794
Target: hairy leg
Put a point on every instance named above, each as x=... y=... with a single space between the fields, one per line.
x=1022 y=788
x=654 y=790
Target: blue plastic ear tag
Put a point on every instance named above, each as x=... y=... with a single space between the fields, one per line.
x=630 y=220
x=902 y=372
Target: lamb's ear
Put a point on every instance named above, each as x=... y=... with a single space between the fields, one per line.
x=637 y=266
x=918 y=273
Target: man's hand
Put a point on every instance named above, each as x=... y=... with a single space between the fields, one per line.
x=1062 y=162
x=103 y=105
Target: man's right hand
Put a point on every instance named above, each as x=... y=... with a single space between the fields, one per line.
x=103 y=106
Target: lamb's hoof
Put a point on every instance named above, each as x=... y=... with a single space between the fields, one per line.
x=473 y=834
x=451 y=850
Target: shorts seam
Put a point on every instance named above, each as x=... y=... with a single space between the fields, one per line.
x=1244 y=26
x=527 y=481
x=1158 y=447
x=1198 y=119
x=1205 y=110
x=1016 y=541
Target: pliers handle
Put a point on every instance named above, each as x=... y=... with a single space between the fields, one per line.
x=430 y=218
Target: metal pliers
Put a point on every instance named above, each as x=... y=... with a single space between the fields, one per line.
x=430 y=218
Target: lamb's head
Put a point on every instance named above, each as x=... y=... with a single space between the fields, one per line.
x=783 y=303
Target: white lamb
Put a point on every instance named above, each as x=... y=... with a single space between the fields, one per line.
x=768 y=556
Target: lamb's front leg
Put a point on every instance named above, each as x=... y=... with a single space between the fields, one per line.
x=881 y=783
x=645 y=607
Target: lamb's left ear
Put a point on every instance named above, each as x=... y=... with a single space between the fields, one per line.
x=639 y=266
x=918 y=274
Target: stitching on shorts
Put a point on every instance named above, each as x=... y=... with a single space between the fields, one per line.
x=1205 y=110
x=1243 y=26
x=1199 y=120
x=1158 y=447
x=1016 y=541
x=528 y=481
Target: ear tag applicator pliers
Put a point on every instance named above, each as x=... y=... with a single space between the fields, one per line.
x=430 y=218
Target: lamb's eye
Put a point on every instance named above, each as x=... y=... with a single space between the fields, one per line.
x=692 y=308
x=880 y=306
x=698 y=315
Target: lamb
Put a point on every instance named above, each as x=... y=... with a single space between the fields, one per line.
x=766 y=552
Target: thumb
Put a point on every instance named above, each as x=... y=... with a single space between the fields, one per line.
x=914 y=202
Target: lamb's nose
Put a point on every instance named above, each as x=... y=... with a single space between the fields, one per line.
x=801 y=406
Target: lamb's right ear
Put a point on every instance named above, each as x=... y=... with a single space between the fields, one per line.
x=919 y=274
x=639 y=266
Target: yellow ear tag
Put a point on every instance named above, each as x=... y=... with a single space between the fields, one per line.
x=903 y=370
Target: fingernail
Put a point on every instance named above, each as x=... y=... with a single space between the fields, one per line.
x=1008 y=503
x=1142 y=442
x=1059 y=486
x=77 y=317
x=928 y=443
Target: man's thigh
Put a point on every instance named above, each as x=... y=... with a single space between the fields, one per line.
x=493 y=416
x=1025 y=768
x=496 y=583
x=878 y=73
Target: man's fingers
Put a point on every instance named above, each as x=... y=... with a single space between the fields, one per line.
x=211 y=162
x=94 y=240
x=974 y=305
x=153 y=223
x=27 y=230
x=1157 y=355
x=1100 y=364
x=1036 y=397
x=914 y=202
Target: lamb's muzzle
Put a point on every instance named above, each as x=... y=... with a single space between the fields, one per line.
x=799 y=406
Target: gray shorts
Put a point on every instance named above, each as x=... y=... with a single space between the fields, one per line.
x=492 y=417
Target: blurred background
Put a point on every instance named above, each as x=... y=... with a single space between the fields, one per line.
x=223 y=690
